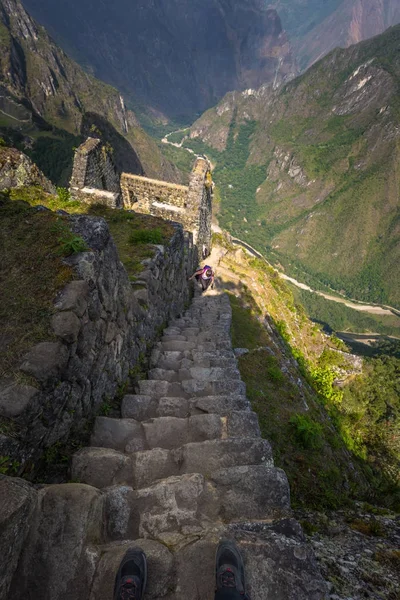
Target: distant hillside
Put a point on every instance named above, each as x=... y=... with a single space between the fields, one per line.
x=309 y=174
x=315 y=28
x=47 y=102
x=178 y=57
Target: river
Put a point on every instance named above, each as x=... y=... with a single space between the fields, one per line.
x=374 y=309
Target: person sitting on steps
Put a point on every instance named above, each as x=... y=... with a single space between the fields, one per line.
x=205 y=275
x=131 y=578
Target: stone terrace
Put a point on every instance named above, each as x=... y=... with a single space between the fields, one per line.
x=183 y=467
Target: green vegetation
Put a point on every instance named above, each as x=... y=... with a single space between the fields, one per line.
x=31 y=274
x=147 y=236
x=133 y=233
x=180 y=158
x=54 y=154
x=360 y=420
x=334 y=316
x=308 y=433
x=312 y=185
x=8 y=466
x=32 y=245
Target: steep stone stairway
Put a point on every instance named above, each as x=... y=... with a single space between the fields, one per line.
x=183 y=467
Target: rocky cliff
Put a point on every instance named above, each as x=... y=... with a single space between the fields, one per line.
x=310 y=172
x=179 y=57
x=46 y=95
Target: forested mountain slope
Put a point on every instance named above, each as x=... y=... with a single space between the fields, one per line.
x=316 y=27
x=309 y=174
x=47 y=102
x=178 y=57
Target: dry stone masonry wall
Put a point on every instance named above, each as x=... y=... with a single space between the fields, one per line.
x=102 y=324
x=191 y=206
x=94 y=177
x=184 y=467
x=140 y=193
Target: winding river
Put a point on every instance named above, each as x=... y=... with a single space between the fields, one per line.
x=374 y=309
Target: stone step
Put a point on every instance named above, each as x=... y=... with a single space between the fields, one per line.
x=159 y=389
x=161 y=374
x=209 y=373
x=129 y=435
x=172 y=508
x=161 y=578
x=179 y=506
x=142 y=408
x=199 y=457
x=174 y=338
x=179 y=346
x=199 y=355
x=194 y=387
x=169 y=511
x=125 y=435
x=191 y=372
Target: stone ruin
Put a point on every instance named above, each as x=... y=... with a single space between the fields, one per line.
x=95 y=180
x=94 y=177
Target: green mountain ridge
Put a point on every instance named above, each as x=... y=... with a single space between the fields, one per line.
x=48 y=104
x=308 y=173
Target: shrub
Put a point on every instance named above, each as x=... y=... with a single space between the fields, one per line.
x=63 y=194
x=308 y=433
x=146 y=236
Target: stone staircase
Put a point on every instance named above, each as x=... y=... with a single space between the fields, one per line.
x=183 y=467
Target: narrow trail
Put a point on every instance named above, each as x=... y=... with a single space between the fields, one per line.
x=183 y=467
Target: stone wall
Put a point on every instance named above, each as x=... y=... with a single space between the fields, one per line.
x=191 y=206
x=102 y=324
x=199 y=205
x=140 y=193
x=94 y=176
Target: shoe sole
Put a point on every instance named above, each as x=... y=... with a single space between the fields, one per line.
x=232 y=548
x=128 y=554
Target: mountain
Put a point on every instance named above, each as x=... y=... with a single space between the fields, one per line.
x=309 y=174
x=315 y=28
x=179 y=57
x=47 y=103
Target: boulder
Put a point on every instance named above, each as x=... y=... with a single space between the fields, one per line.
x=59 y=558
x=17 y=500
x=15 y=398
x=45 y=361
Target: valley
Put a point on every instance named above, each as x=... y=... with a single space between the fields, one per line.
x=308 y=174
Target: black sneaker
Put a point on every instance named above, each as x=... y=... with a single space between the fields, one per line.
x=229 y=568
x=130 y=581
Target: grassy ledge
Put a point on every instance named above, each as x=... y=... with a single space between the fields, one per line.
x=31 y=273
x=133 y=234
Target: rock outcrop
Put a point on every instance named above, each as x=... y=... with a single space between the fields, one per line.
x=183 y=467
x=17 y=170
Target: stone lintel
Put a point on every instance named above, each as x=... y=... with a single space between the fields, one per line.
x=164 y=184
x=99 y=193
x=171 y=207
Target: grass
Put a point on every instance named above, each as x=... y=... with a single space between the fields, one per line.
x=31 y=274
x=313 y=425
x=32 y=271
x=133 y=233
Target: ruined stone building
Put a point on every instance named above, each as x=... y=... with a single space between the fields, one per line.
x=96 y=181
